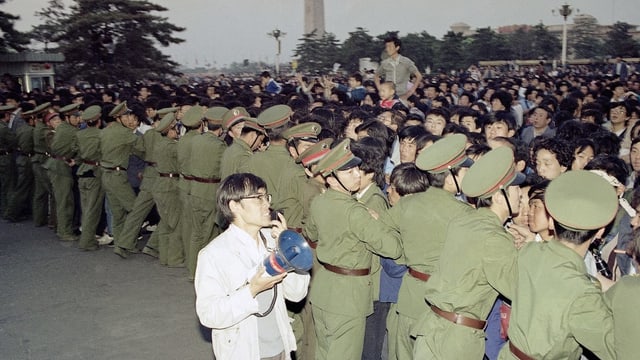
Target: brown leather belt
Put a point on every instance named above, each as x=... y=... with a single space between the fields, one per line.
x=23 y=153
x=348 y=272
x=41 y=153
x=89 y=162
x=202 y=180
x=169 y=175
x=518 y=353
x=459 y=319
x=61 y=158
x=5 y=152
x=150 y=163
x=419 y=275
x=115 y=168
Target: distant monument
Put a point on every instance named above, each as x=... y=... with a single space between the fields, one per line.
x=314 y=17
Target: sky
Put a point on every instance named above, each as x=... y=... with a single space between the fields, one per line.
x=219 y=32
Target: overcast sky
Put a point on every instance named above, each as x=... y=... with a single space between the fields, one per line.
x=219 y=32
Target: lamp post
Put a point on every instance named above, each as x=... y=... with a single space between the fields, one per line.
x=564 y=11
x=277 y=34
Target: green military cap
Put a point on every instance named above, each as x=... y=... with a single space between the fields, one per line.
x=167 y=120
x=444 y=154
x=215 y=114
x=315 y=152
x=338 y=158
x=29 y=113
x=165 y=111
x=193 y=117
x=305 y=131
x=251 y=123
x=91 y=113
x=494 y=171
x=119 y=110
x=275 y=116
x=581 y=200
x=5 y=108
x=40 y=108
x=233 y=116
x=69 y=108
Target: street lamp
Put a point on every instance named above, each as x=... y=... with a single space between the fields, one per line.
x=277 y=34
x=565 y=11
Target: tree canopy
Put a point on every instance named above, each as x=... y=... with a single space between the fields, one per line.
x=11 y=40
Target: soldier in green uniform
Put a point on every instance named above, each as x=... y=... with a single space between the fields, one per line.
x=166 y=194
x=90 y=177
x=144 y=200
x=237 y=155
x=117 y=143
x=20 y=201
x=42 y=186
x=446 y=164
x=477 y=261
x=277 y=168
x=192 y=121
x=64 y=148
x=8 y=145
x=206 y=153
x=348 y=235
x=557 y=306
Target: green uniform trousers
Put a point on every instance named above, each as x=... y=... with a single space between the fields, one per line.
x=338 y=336
x=446 y=340
x=20 y=201
x=404 y=342
x=7 y=181
x=203 y=229
x=186 y=219
x=91 y=202
x=121 y=199
x=41 y=192
x=131 y=228
x=392 y=331
x=62 y=186
x=168 y=232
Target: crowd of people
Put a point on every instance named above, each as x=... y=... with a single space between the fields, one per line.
x=450 y=216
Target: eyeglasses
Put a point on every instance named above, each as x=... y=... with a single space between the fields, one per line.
x=261 y=197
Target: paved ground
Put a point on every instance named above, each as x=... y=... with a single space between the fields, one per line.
x=57 y=302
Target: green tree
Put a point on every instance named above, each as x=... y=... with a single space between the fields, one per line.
x=421 y=48
x=620 y=42
x=585 y=39
x=11 y=40
x=450 y=53
x=358 y=45
x=108 y=40
x=486 y=44
x=520 y=42
x=52 y=28
x=544 y=44
x=317 y=54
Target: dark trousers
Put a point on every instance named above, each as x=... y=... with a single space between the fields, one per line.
x=375 y=329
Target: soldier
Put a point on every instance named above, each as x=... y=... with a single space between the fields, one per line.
x=206 y=153
x=20 y=201
x=446 y=164
x=165 y=192
x=192 y=122
x=64 y=148
x=236 y=156
x=478 y=261
x=117 y=143
x=144 y=200
x=90 y=177
x=557 y=307
x=8 y=145
x=42 y=188
x=348 y=235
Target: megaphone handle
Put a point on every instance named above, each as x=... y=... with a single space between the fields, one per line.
x=273 y=303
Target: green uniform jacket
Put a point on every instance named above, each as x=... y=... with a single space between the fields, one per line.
x=150 y=174
x=184 y=159
x=166 y=153
x=206 y=151
x=623 y=300
x=285 y=180
x=117 y=143
x=478 y=261
x=8 y=144
x=310 y=190
x=235 y=158
x=88 y=149
x=347 y=237
x=557 y=306
x=63 y=144
x=422 y=220
x=24 y=136
x=40 y=148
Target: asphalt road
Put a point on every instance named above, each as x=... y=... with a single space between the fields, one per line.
x=57 y=302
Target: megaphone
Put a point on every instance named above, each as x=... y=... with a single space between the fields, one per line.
x=292 y=253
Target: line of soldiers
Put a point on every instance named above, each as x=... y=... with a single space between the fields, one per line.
x=458 y=257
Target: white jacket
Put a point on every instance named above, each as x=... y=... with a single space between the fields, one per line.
x=224 y=302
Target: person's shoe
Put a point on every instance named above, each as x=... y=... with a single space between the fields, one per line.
x=151 y=228
x=120 y=252
x=150 y=251
x=106 y=239
x=68 y=237
x=90 y=248
x=176 y=266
